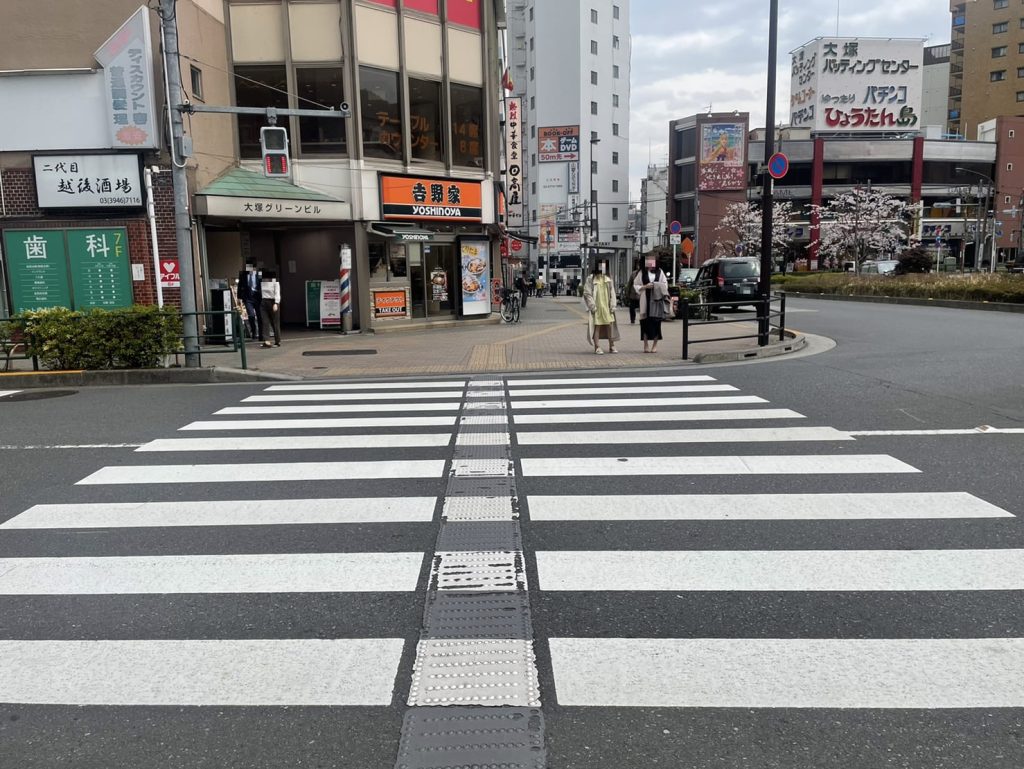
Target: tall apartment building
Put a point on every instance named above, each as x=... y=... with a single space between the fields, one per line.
x=570 y=63
x=935 y=85
x=986 y=63
x=653 y=207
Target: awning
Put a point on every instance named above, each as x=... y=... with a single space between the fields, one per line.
x=243 y=194
x=534 y=239
x=408 y=234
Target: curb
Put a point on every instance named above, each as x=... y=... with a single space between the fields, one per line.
x=793 y=343
x=157 y=376
x=915 y=301
x=492 y=320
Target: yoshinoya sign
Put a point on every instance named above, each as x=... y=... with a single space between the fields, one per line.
x=850 y=84
x=558 y=144
x=88 y=181
x=127 y=61
x=422 y=198
x=514 y=161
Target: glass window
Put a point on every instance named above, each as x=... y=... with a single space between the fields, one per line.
x=615 y=71
x=196 y=76
x=531 y=43
x=1020 y=71
x=323 y=87
x=748 y=269
x=1000 y=27
x=615 y=214
x=593 y=136
x=615 y=185
x=531 y=73
x=593 y=108
x=1022 y=23
x=382 y=113
x=593 y=16
x=533 y=132
x=997 y=4
x=615 y=158
x=531 y=14
x=593 y=46
x=615 y=41
x=1020 y=95
x=999 y=74
x=615 y=129
x=615 y=11
x=1020 y=47
x=593 y=78
x=265 y=85
x=999 y=51
x=467 y=125
x=533 y=102
x=593 y=166
x=425 y=120
x=615 y=100
x=533 y=188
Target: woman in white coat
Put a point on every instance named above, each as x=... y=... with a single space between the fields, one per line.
x=651 y=286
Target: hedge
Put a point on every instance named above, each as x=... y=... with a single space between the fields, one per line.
x=975 y=287
x=134 y=337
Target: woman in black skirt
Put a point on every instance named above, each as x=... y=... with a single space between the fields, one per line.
x=651 y=285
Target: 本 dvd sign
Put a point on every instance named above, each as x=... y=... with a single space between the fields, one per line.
x=558 y=144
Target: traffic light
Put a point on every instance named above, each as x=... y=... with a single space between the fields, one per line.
x=274 y=146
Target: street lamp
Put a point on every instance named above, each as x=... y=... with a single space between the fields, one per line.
x=981 y=225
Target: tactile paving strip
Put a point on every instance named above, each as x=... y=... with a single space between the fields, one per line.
x=479 y=535
x=485 y=406
x=485 y=394
x=501 y=467
x=478 y=571
x=461 y=738
x=477 y=615
x=486 y=383
x=480 y=452
x=484 y=419
x=490 y=438
x=492 y=672
x=479 y=509
x=487 y=486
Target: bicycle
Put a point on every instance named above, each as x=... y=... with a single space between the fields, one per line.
x=509 y=305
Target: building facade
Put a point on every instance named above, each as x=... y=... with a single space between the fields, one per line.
x=986 y=63
x=935 y=91
x=570 y=65
x=653 y=221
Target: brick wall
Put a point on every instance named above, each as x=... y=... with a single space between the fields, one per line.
x=23 y=213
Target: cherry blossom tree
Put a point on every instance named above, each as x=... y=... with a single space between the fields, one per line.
x=742 y=221
x=862 y=224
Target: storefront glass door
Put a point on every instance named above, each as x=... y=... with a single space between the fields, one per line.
x=439 y=273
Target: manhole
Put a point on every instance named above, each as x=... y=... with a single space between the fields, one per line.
x=36 y=395
x=320 y=353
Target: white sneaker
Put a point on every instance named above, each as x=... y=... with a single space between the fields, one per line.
x=598 y=351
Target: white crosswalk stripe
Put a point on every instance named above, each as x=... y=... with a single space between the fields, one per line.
x=5 y=393
x=265 y=472
x=329 y=397
x=317 y=424
x=284 y=443
x=341 y=408
x=738 y=435
x=774 y=464
x=681 y=389
x=595 y=403
x=710 y=415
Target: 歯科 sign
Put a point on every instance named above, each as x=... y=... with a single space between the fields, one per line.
x=723 y=156
x=390 y=303
x=37 y=268
x=100 y=272
x=849 y=84
x=514 y=161
x=556 y=144
x=127 y=61
x=475 y=257
x=422 y=198
x=87 y=181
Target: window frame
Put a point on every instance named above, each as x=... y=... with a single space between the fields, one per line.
x=193 y=72
x=997 y=76
x=297 y=122
x=999 y=51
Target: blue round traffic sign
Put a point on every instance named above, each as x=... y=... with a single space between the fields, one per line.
x=778 y=165
x=675 y=228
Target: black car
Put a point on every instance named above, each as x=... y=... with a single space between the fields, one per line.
x=729 y=278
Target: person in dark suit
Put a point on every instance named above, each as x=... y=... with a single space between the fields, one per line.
x=250 y=294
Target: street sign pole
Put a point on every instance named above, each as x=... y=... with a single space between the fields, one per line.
x=766 y=190
x=675 y=230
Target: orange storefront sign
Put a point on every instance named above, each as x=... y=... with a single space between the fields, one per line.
x=423 y=198
x=389 y=304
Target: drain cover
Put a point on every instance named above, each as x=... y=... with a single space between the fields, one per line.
x=484 y=615
x=36 y=395
x=455 y=738
x=322 y=353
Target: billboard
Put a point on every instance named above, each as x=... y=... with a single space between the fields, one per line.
x=548 y=228
x=857 y=85
x=558 y=144
x=723 y=153
x=514 y=160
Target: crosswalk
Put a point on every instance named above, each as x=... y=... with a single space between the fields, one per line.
x=675 y=493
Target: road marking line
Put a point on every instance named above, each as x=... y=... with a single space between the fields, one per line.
x=287 y=442
x=341 y=408
x=371 y=386
x=788 y=673
x=774 y=570
x=165 y=574
x=75 y=446
x=809 y=464
x=762 y=507
x=318 y=424
x=268 y=471
x=376 y=396
x=292 y=672
x=981 y=430
x=609 y=380
x=5 y=393
x=681 y=389
x=692 y=415
x=716 y=400
x=248 y=512
x=661 y=437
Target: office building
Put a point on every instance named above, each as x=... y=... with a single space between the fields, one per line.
x=935 y=91
x=653 y=221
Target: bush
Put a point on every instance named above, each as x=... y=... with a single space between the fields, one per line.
x=914 y=260
x=135 y=337
x=971 y=288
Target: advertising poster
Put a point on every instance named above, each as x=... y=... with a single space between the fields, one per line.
x=548 y=228
x=558 y=144
x=390 y=303
x=438 y=285
x=170 y=275
x=330 y=303
x=476 y=262
x=723 y=150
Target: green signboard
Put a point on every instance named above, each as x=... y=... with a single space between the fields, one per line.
x=37 y=268
x=313 y=303
x=100 y=273
x=80 y=269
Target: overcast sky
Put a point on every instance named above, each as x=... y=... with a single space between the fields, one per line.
x=688 y=54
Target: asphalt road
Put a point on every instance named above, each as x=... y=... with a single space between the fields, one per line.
x=749 y=626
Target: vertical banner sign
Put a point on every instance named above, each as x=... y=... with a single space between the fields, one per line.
x=514 y=161
x=476 y=263
x=127 y=61
x=100 y=271
x=723 y=153
x=312 y=302
x=37 y=268
x=574 y=178
x=330 y=303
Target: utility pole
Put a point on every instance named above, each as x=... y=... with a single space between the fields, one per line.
x=182 y=222
x=765 y=287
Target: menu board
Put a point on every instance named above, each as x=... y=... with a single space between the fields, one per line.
x=37 y=266
x=476 y=265
x=100 y=271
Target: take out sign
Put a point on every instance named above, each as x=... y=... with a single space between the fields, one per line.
x=424 y=198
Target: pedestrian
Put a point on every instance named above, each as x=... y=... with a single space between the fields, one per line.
x=599 y=296
x=652 y=286
x=250 y=294
x=631 y=295
x=271 y=306
x=523 y=287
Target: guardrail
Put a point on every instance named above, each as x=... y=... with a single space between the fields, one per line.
x=763 y=318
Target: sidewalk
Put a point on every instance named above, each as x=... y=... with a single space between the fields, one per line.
x=551 y=336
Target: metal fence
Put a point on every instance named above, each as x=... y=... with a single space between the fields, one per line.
x=769 y=321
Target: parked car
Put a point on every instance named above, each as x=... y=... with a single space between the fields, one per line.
x=879 y=267
x=729 y=278
x=687 y=275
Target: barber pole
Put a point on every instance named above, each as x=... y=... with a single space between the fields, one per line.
x=345 y=277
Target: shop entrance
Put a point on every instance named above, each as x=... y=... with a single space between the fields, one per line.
x=433 y=281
